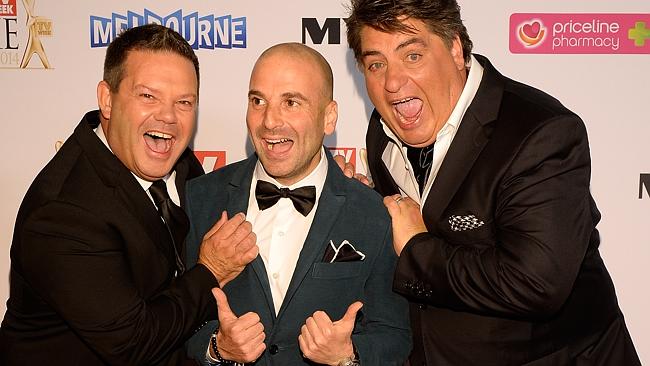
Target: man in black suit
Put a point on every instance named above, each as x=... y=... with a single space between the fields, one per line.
x=325 y=240
x=487 y=184
x=97 y=276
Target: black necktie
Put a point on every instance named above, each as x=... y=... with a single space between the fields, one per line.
x=421 y=159
x=175 y=219
x=267 y=195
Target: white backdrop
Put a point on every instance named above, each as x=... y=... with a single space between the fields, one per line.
x=39 y=106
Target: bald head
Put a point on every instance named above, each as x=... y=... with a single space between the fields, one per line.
x=290 y=110
x=299 y=51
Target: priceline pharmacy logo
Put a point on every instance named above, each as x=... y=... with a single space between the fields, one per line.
x=579 y=33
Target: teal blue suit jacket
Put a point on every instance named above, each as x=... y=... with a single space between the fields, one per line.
x=347 y=210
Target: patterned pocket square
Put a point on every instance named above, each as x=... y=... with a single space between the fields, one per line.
x=462 y=223
x=344 y=253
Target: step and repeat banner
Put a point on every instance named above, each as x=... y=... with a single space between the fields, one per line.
x=594 y=56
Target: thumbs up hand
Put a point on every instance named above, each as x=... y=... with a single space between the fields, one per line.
x=326 y=342
x=239 y=339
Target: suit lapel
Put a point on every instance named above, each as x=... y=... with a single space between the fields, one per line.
x=467 y=145
x=472 y=136
x=376 y=142
x=238 y=195
x=126 y=188
x=330 y=204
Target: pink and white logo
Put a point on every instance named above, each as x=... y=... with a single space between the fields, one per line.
x=531 y=33
x=580 y=33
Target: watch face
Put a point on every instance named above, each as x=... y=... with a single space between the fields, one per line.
x=350 y=362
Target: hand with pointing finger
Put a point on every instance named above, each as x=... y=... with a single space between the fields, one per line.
x=326 y=342
x=239 y=339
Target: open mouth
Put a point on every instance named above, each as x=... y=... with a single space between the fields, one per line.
x=408 y=110
x=278 y=145
x=158 y=142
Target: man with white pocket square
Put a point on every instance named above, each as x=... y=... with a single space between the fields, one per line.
x=320 y=290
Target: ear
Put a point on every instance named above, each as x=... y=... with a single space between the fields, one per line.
x=331 y=116
x=457 y=54
x=104 y=99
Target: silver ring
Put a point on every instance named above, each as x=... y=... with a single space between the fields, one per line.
x=399 y=199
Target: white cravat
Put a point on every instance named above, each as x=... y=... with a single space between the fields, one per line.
x=281 y=230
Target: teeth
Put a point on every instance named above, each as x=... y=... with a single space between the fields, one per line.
x=159 y=135
x=273 y=142
x=402 y=100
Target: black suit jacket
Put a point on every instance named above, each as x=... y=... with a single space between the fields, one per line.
x=528 y=286
x=92 y=267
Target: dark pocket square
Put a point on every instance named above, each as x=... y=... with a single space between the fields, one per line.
x=344 y=253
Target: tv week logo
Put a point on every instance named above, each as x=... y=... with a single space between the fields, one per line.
x=8 y=8
x=211 y=160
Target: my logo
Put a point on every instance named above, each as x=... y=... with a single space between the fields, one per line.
x=639 y=34
x=532 y=33
x=331 y=27
x=211 y=160
x=644 y=182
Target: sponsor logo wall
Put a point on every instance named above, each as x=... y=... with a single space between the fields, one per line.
x=592 y=56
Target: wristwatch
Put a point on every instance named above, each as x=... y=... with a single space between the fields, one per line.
x=349 y=361
x=217 y=355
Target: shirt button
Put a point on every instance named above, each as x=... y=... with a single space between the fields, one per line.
x=280 y=233
x=275 y=276
x=273 y=349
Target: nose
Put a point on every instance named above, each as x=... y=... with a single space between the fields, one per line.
x=394 y=78
x=166 y=113
x=271 y=117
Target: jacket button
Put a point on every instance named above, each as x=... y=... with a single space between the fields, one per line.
x=273 y=349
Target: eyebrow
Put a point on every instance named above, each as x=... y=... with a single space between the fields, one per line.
x=137 y=87
x=408 y=42
x=285 y=95
x=298 y=95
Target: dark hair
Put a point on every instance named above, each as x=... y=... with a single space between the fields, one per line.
x=442 y=17
x=150 y=37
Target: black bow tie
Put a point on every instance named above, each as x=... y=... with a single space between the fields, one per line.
x=267 y=195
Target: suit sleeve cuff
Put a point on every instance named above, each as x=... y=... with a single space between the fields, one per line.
x=421 y=272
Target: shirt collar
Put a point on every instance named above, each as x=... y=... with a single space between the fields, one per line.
x=469 y=91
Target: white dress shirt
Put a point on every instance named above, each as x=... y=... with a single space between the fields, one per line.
x=394 y=156
x=281 y=230
x=169 y=179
